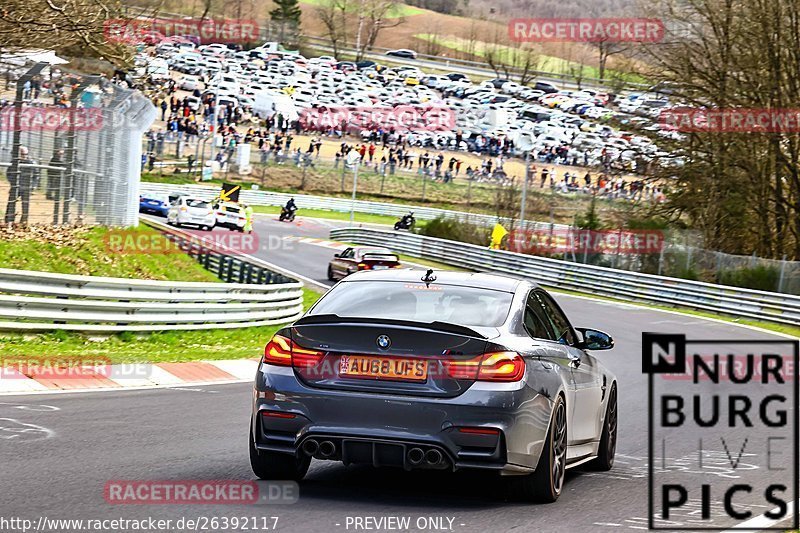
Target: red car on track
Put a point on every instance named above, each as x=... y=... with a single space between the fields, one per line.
x=361 y=258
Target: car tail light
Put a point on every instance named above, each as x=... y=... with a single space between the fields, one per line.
x=492 y=366
x=278 y=414
x=479 y=431
x=501 y=366
x=281 y=351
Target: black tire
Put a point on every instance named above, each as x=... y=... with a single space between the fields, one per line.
x=608 y=441
x=276 y=465
x=396 y=226
x=330 y=273
x=547 y=481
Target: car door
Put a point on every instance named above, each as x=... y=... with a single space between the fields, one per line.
x=587 y=380
x=341 y=263
x=539 y=326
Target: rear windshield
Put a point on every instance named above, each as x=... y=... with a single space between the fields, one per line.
x=196 y=203
x=466 y=306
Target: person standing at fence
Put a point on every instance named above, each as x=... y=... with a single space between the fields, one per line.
x=54 y=176
x=22 y=188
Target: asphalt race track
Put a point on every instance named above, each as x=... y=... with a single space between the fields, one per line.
x=75 y=443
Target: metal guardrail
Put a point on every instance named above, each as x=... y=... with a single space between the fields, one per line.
x=304 y=201
x=731 y=301
x=252 y=296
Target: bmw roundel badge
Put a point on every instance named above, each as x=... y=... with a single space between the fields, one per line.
x=383 y=342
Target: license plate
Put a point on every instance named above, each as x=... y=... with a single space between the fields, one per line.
x=389 y=368
x=379 y=267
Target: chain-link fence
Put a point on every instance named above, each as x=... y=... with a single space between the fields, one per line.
x=70 y=148
x=681 y=255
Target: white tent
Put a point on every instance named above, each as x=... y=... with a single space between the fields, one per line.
x=21 y=57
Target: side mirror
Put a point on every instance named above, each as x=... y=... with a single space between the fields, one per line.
x=595 y=340
x=337 y=255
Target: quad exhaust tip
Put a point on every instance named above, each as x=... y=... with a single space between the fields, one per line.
x=327 y=448
x=433 y=456
x=416 y=456
x=310 y=446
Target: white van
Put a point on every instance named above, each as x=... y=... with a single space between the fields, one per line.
x=267 y=102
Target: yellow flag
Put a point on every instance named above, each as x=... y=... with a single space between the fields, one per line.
x=497 y=236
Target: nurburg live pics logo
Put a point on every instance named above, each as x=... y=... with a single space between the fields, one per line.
x=733 y=400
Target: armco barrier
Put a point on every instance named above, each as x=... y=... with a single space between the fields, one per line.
x=304 y=201
x=38 y=301
x=731 y=301
x=253 y=296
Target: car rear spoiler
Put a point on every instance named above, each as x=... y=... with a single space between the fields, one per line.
x=446 y=327
x=381 y=257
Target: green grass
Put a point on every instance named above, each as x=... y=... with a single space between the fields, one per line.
x=512 y=56
x=364 y=218
x=87 y=252
x=161 y=347
x=84 y=251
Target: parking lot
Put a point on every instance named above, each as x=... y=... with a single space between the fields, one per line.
x=575 y=137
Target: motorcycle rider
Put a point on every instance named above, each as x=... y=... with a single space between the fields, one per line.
x=289 y=209
x=406 y=222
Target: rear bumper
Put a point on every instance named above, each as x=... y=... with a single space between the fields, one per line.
x=381 y=428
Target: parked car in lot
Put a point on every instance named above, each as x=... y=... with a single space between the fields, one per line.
x=189 y=210
x=361 y=258
x=440 y=371
x=154 y=202
x=189 y=83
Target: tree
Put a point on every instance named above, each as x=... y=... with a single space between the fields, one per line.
x=740 y=189
x=333 y=14
x=82 y=24
x=373 y=19
x=605 y=49
x=286 y=13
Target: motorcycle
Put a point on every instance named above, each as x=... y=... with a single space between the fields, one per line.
x=287 y=215
x=407 y=222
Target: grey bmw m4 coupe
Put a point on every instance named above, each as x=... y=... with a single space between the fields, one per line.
x=436 y=370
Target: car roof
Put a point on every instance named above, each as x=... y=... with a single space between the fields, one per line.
x=444 y=277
